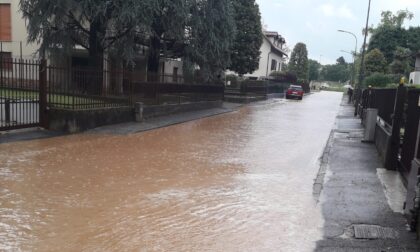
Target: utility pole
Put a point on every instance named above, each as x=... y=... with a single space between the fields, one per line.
x=362 y=64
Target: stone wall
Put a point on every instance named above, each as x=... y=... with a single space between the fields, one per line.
x=73 y=121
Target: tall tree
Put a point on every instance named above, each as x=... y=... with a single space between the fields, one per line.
x=336 y=72
x=299 y=61
x=210 y=36
x=387 y=39
x=314 y=68
x=167 y=30
x=341 y=61
x=95 y=25
x=390 y=33
x=245 y=50
x=375 y=62
x=401 y=63
x=396 y=20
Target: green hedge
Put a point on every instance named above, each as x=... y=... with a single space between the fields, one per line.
x=381 y=80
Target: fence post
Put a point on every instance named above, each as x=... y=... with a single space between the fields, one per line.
x=412 y=201
x=7 y=110
x=43 y=113
x=391 y=159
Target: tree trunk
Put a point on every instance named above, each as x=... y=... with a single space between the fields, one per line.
x=96 y=52
x=154 y=59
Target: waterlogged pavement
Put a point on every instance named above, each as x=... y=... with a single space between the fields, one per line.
x=235 y=182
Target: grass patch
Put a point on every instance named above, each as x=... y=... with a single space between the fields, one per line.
x=335 y=89
x=65 y=100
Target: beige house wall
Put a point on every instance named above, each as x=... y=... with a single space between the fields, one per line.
x=18 y=46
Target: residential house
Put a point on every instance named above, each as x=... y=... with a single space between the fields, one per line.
x=273 y=55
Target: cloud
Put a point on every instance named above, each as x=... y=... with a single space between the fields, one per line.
x=343 y=11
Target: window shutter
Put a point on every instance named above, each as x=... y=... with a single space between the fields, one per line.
x=5 y=23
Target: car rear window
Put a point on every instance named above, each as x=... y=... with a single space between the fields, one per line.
x=297 y=88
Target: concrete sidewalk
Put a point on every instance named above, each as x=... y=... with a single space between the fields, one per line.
x=360 y=202
x=123 y=128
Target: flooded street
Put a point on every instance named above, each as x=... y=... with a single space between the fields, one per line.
x=235 y=182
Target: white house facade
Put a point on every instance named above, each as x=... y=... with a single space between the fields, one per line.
x=273 y=55
x=415 y=76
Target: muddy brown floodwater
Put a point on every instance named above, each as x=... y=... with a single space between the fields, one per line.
x=235 y=182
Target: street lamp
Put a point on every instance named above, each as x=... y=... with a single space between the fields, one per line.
x=354 y=56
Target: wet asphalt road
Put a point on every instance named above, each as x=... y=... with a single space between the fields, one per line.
x=235 y=182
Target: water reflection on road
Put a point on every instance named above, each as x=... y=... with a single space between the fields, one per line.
x=234 y=182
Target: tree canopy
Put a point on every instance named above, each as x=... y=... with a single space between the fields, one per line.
x=211 y=34
x=341 y=61
x=336 y=72
x=201 y=32
x=298 y=63
x=401 y=63
x=375 y=62
x=390 y=34
x=314 y=68
x=245 y=49
x=167 y=30
x=95 y=25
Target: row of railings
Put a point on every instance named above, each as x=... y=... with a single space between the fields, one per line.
x=29 y=88
x=262 y=87
x=397 y=136
x=84 y=88
x=398 y=113
x=21 y=95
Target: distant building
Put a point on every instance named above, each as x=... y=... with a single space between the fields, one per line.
x=273 y=55
x=415 y=76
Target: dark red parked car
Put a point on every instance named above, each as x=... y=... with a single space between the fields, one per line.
x=294 y=91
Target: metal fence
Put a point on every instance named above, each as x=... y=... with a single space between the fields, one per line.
x=381 y=99
x=28 y=88
x=409 y=130
x=400 y=109
x=262 y=87
x=19 y=93
x=87 y=88
x=154 y=93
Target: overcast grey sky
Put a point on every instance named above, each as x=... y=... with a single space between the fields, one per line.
x=315 y=22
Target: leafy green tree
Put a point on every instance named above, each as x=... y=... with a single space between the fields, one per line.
x=299 y=61
x=167 y=31
x=396 y=20
x=314 y=69
x=210 y=37
x=387 y=39
x=401 y=63
x=390 y=33
x=413 y=39
x=341 y=61
x=245 y=50
x=95 y=25
x=336 y=72
x=375 y=62
x=377 y=80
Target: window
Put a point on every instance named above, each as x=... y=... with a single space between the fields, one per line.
x=273 y=65
x=175 y=75
x=5 y=23
x=6 y=61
